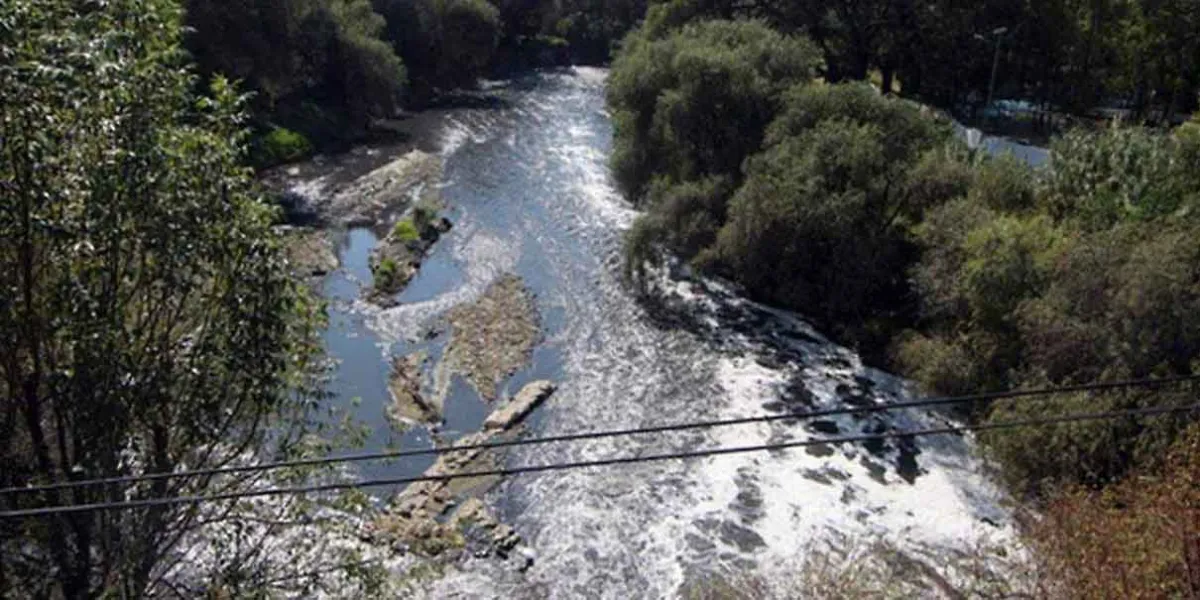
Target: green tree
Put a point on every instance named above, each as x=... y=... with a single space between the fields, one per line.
x=446 y=44
x=1122 y=173
x=148 y=320
x=1089 y=274
x=696 y=103
x=316 y=66
x=822 y=222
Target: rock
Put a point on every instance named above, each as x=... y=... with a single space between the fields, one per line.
x=470 y=511
x=408 y=404
x=824 y=426
x=310 y=252
x=371 y=197
x=515 y=411
x=527 y=557
x=491 y=338
x=396 y=260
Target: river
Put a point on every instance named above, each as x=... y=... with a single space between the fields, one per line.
x=526 y=185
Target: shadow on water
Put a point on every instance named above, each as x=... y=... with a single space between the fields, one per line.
x=469 y=100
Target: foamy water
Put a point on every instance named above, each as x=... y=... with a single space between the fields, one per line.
x=528 y=189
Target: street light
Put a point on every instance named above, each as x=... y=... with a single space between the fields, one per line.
x=997 y=33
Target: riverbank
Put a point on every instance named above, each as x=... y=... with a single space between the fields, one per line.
x=526 y=185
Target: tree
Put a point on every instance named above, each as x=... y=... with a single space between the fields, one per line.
x=696 y=103
x=148 y=319
x=318 y=66
x=822 y=221
x=446 y=44
x=1087 y=274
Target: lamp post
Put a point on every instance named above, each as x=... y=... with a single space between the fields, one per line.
x=998 y=35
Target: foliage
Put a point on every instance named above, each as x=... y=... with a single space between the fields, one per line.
x=695 y=104
x=815 y=209
x=1116 y=175
x=325 y=53
x=278 y=146
x=423 y=216
x=582 y=31
x=386 y=273
x=829 y=205
x=149 y=320
x=406 y=231
x=1059 y=54
x=444 y=43
x=1089 y=275
x=819 y=220
x=1135 y=539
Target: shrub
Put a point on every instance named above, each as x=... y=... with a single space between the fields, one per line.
x=1004 y=183
x=1138 y=539
x=690 y=213
x=939 y=364
x=406 y=231
x=386 y=273
x=423 y=217
x=823 y=220
x=1014 y=299
x=444 y=43
x=280 y=145
x=1100 y=179
x=806 y=229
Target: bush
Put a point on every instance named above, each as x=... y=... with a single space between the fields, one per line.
x=808 y=229
x=386 y=274
x=689 y=213
x=1138 y=539
x=1004 y=183
x=941 y=365
x=444 y=43
x=1101 y=179
x=406 y=231
x=423 y=217
x=279 y=146
x=1016 y=293
x=295 y=52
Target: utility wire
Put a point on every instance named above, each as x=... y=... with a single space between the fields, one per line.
x=586 y=435
x=328 y=487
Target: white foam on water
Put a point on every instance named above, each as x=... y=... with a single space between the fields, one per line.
x=483 y=258
x=596 y=76
x=644 y=530
x=944 y=507
x=460 y=128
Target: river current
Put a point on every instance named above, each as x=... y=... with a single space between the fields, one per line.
x=526 y=185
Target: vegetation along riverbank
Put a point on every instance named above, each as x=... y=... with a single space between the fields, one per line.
x=160 y=310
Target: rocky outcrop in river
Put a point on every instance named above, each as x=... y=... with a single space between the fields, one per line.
x=399 y=255
x=491 y=338
x=446 y=517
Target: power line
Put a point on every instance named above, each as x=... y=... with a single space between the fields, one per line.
x=585 y=435
x=329 y=487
